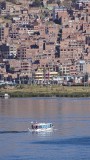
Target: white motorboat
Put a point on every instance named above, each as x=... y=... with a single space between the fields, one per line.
x=39 y=127
x=6 y=96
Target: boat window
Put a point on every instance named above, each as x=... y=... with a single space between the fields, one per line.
x=34 y=127
x=40 y=126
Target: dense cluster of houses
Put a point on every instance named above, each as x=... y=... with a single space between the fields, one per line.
x=44 y=44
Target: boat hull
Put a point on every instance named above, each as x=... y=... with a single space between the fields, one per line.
x=41 y=130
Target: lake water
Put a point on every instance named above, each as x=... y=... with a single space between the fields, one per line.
x=70 y=139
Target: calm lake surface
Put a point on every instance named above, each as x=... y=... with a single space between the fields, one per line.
x=70 y=139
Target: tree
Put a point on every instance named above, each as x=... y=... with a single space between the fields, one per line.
x=85 y=78
x=58 y=2
x=74 y=1
x=37 y=3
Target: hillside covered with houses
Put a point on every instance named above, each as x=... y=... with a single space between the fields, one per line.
x=45 y=41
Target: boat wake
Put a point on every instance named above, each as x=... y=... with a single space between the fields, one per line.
x=40 y=131
x=26 y=131
x=13 y=132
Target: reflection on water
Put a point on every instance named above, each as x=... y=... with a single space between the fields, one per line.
x=39 y=107
x=28 y=107
x=62 y=111
x=69 y=140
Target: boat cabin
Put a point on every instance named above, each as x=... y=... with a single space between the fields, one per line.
x=41 y=125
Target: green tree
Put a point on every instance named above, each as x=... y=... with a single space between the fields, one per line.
x=58 y=2
x=37 y=3
x=85 y=78
x=74 y=1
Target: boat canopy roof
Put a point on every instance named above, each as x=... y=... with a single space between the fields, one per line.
x=38 y=124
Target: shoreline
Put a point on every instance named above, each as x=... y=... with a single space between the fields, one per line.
x=46 y=91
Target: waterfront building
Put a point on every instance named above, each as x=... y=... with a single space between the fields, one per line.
x=44 y=75
x=54 y=39
x=26 y=68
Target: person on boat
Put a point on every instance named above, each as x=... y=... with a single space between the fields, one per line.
x=34 y=126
